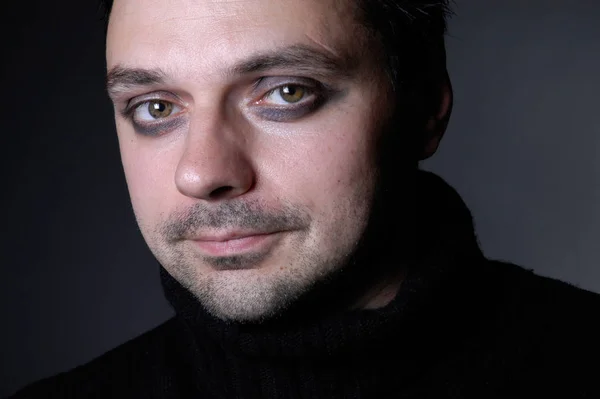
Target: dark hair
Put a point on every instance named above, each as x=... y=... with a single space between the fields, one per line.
x=408 y=29
x=412 y=36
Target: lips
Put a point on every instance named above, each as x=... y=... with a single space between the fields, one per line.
x=229 y=236
x=230 y=244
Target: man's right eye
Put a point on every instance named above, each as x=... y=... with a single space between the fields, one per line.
x=153 y=110
x=153 y=116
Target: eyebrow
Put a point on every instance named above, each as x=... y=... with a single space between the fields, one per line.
x=300 y=58
x=121 y=78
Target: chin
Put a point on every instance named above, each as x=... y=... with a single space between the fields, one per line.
x=257 y=286
x=247 y=295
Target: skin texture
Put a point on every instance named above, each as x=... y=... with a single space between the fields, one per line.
x=222 y=154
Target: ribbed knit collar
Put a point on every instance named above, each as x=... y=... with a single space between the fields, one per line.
x=437 y=292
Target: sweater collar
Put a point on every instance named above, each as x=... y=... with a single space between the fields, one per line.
x=437 y=283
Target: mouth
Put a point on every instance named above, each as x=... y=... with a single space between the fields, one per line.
x=232 y=244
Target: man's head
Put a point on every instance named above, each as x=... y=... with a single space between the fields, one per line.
x=251 y=133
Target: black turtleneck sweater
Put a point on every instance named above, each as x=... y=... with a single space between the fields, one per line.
x=461 y=326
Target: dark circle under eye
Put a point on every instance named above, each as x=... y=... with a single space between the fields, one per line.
x=160 y=109
x=292 y=94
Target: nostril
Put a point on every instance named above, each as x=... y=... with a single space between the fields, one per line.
x=220 y=192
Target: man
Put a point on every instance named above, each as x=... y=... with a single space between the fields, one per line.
x=271 y=151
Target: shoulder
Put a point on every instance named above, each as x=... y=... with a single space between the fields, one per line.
x=527 y=294
x=546 y=329
x=121 y=370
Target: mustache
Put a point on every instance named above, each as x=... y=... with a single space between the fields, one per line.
x=252 y=216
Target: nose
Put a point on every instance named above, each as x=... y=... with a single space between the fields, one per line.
x=215 y=163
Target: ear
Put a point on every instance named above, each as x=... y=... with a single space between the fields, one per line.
x=436 y=125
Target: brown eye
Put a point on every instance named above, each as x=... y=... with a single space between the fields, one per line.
x=292 y=94
x=290 y=100
x=160 y=109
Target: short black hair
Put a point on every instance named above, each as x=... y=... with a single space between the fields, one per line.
x=407 y=28
x=412 y=35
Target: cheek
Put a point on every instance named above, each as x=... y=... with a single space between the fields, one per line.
x=328 y=166
x=150 y=178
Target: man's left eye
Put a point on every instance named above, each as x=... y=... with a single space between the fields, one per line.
x=288 y=94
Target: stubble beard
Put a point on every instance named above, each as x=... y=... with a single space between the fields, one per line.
x=300 y=274
x=251 y=287
x=253 y=294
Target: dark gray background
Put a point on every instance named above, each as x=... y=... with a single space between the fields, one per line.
x=77 y=278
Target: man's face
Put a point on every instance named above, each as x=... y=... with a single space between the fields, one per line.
x=248 y=132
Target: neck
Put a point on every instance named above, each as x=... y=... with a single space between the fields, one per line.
x=382 y=293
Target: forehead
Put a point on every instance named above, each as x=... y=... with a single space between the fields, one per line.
x=212 y=33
